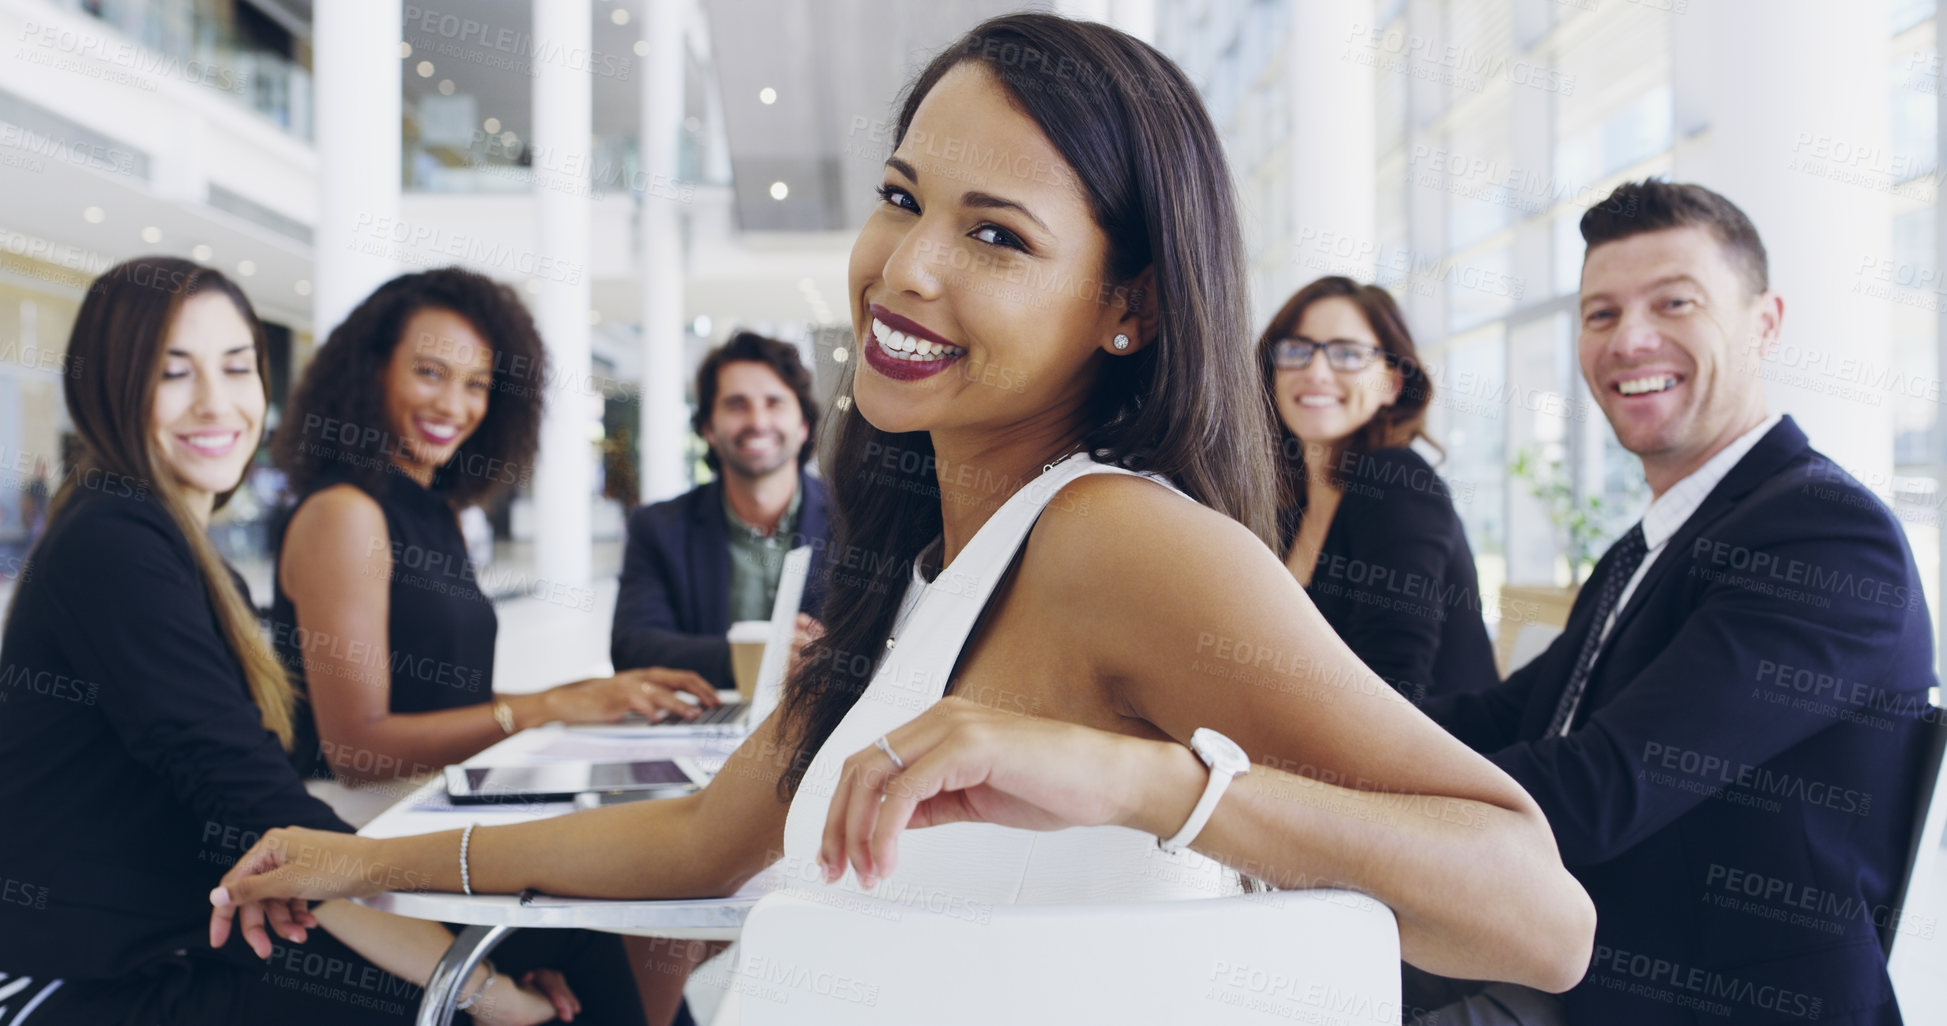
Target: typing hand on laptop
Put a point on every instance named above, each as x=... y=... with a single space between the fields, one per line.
x=650 y=693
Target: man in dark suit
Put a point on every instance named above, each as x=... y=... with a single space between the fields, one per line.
x=712 y=556
x=1726 y=736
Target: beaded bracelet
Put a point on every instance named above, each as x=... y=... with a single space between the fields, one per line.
x=466 y=881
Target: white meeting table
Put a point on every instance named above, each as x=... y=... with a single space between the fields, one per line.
x=488 y=919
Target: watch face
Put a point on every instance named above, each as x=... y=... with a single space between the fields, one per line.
x=1219 y=751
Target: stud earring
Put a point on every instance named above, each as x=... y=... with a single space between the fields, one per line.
x=1121 y=342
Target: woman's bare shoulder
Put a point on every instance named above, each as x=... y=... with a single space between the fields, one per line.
x=1109 y=532
x=331 y=512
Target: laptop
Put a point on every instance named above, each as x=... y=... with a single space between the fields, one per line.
x=738 y=717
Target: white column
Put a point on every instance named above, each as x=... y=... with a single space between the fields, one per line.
x=1940 y=414
x=1334 y=129
x=355 y=56
x=1794 y=96
x=665 y=417
x=563 y=121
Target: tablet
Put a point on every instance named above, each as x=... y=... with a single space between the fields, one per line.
x=561 y=781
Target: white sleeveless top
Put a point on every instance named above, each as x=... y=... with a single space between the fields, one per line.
x=966 y=865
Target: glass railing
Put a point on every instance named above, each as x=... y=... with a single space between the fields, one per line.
x=487 y=162
x=190 y=41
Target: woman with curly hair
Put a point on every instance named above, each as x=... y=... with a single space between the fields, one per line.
x=146 y=724
x=426 y=400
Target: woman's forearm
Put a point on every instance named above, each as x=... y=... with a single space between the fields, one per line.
x=1471 y=882
x=400 y=746
x=406 y=948
x=641 y=850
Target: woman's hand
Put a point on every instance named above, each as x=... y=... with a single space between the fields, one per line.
x=651 y=692
x=966 y=762
x=538 y=996
x=289 y=867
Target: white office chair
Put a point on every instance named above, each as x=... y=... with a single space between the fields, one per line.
x=841 y=958
x=1912 y=933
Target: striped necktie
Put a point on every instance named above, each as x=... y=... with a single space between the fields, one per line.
x=1628 y=555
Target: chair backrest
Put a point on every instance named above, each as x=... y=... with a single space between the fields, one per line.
x=829 y=956
x=784 y=627
x=1907 y=927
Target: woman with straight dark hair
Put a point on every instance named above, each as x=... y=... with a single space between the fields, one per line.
x=1366 y=525
x=145 y=724
x=1067 y=555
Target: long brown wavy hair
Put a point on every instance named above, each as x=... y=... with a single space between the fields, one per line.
x=116 y=350
x=1395 y=425
x=1186 y=406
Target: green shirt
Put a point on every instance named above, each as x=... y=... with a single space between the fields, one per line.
x=757 y=559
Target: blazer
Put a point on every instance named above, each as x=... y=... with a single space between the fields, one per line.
x=1736 y=789
x=673 y=604
x=1395 y=578
x=134 y=766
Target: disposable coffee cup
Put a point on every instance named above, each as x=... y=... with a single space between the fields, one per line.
x=747 y=638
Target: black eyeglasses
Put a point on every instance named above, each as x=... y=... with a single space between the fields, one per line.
x=1341 y=354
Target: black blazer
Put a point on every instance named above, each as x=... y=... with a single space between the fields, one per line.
x=1737 y=791
x=134 y=766
x=1396 y=580
x=673 y=606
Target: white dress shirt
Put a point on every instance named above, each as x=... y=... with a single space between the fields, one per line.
x=1667 y=513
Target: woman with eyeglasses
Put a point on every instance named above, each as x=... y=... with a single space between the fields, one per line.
x=1364 y=522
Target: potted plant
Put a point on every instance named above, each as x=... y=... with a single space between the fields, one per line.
x=1583 y=527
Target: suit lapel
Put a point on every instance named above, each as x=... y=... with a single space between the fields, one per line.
x=811 y=511
x=708 y=553
x=1773 y=451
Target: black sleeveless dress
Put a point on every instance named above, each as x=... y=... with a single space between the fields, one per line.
x=439 y=626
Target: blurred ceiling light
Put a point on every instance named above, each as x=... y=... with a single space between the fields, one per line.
x=508 y=138
x=492 y=125
x=779 y=190
x=425 y=69
x=246 y=268
x=594 y=317
x=405 y=50
x=620 y=16
x=200 y=253
x=642 y=48
x=693 y=124
x=303 y=287
x=446 y=87
x=767 y=96
x=93 y=215
x=700 y=327
x=839 y=355
x=152 y=235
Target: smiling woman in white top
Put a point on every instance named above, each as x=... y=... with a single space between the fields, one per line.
x=1048 y=306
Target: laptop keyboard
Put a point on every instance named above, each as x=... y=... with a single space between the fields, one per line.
x=724 y=713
